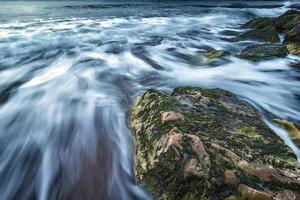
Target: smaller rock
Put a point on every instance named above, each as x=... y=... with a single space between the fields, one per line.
x=292 y=130
x=267 y=34
x=263 y=51
x=287 y=21
x=170 y=116
x=258 y=23
x=216 y=54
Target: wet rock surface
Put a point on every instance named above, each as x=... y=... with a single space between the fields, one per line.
x=287 y=21
x=264 y=51
x=292 y=40
x=258 y=23
x=266 y=34
x=207 y=143
x=264 y=29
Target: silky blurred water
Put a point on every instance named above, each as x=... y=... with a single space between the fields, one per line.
x=69 y=72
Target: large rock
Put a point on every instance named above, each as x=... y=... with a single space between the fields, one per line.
x=258 y=23
x=206 y=143
x=264 y=51
x=287 y=21
x=293 y=35
x=267 y=34
x=292 y=40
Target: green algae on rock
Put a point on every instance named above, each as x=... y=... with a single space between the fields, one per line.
x=293 y=48
x=263 y=51
x=267 y=34
x=213 y=145
x=216 y=54
x=258 y=23
x=287 y=21
x=293 y=35
x=292 y=40
x=292 y=130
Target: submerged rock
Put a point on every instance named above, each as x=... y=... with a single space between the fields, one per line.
x=214 y=146
x=216 y=54
x=292 y=130
x=287 y=21
x=267 y=34
x=263 y=51
x=258 y=23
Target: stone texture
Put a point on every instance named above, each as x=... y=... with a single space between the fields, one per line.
x=219 y=149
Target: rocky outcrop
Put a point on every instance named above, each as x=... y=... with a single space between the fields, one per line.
x=292 y=40
x=259 y=23
x=266 y=34
x=207 y=143
x=287 y=21
x=263 y=51
x=265 y=29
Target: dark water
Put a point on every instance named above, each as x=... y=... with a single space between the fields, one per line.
x=69 y=72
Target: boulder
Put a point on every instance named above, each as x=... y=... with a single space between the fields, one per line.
x=292 y=40
x=214 y=146
x=295 y=65
x=258 y=23
x=267 y=34
x=287 y=21
x=263 y=51
x=293 y=35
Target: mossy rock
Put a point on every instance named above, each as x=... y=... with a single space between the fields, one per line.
x=293 y=35
x=267 y=34
x=208 y=144
x=258 y=52
x=292 y=130
x=258 y=23
x=287 y=21
x=293 y=47
x=216 y=54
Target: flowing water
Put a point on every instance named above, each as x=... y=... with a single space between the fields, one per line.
x=69 y=72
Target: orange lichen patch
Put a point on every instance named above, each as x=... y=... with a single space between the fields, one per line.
x=198 y=146
x=252 y=194
x=230 y=177
x=193 y=168
x=265 y=173
x=170 y=116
